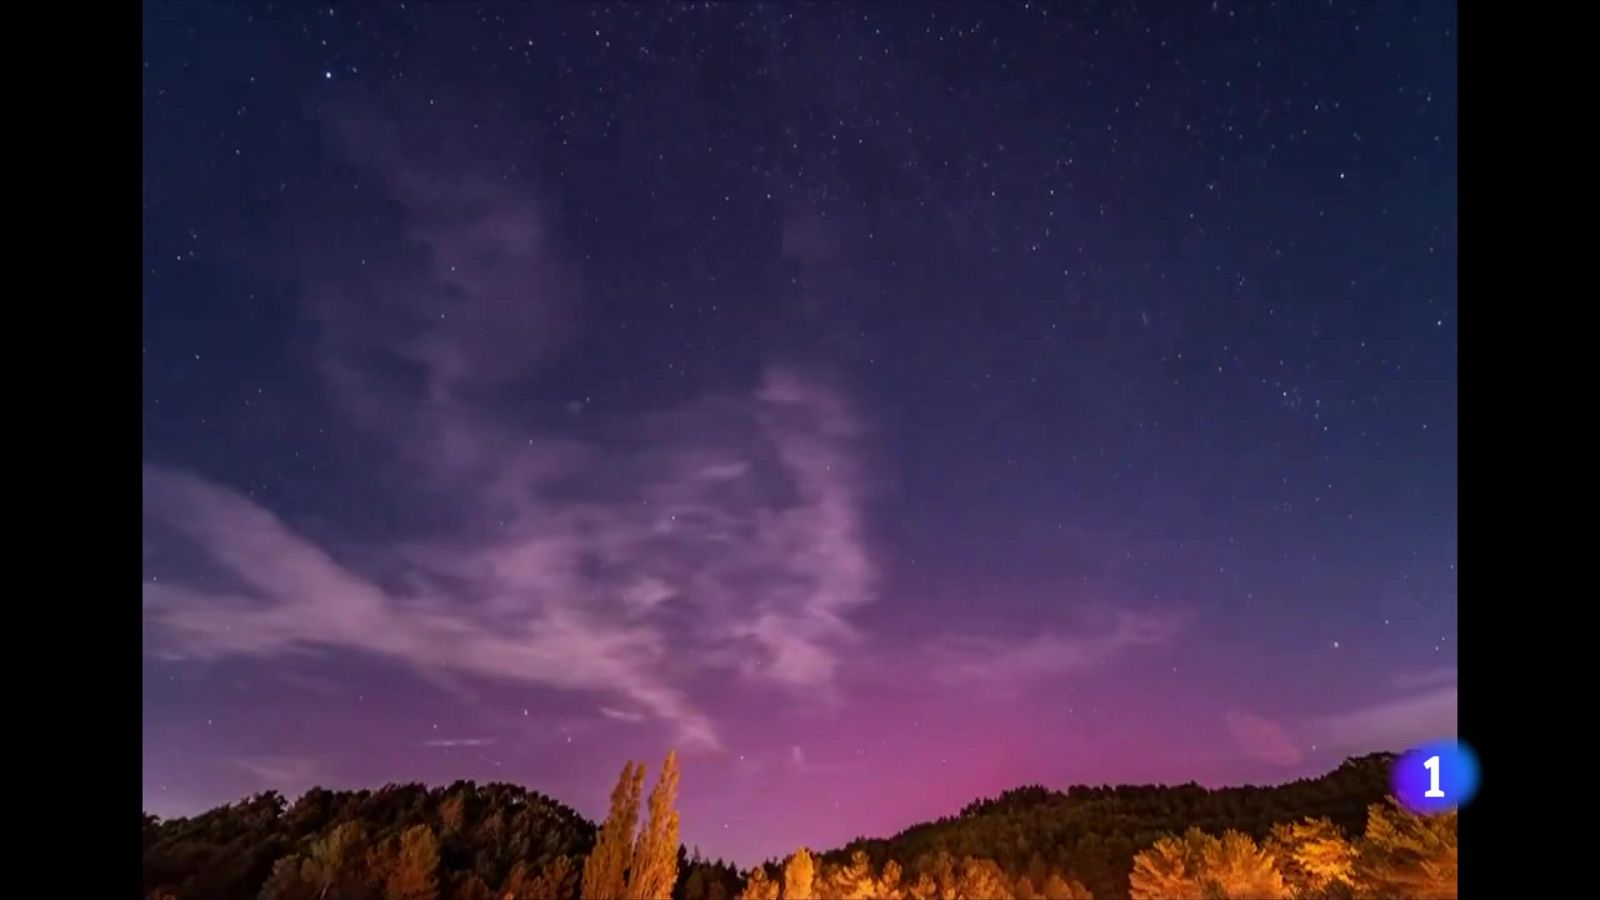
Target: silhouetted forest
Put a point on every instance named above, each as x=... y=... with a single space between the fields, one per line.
x=1336 y=836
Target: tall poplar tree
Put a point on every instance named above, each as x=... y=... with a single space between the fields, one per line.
x=799 y=876
x=605 y=872
x=655 y=856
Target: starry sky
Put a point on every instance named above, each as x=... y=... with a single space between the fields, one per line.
x=885 y=405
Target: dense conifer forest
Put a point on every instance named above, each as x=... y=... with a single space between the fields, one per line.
x=1335 y=836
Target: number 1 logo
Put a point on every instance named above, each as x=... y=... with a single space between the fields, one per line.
x=1432 y=765
x=1435 y=777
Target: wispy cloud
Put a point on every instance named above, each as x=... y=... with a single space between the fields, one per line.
x=730 y=527
x=799 y=762
x=1262 y=738
x=621 y=715
x=990 y=660
x=1426 y=711
x=459 y=742
x=287 y=774
x=1392 y=724
x=291 y=596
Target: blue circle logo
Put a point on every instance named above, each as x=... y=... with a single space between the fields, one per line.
x=1435 y=777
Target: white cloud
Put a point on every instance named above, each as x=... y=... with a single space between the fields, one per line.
x=990 y=660
x=300 y=599
x=289 y=775
x=1262 y=738
x=1394 y=724
x=727 y=532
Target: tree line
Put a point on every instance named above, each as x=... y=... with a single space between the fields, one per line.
x=1400 y=856
x=1328 y=838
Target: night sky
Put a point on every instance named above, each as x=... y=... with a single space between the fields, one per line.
x=885 y=405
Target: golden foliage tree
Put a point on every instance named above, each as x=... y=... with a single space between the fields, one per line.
x=1406 y=856
x=1052 y=886
x=940 y=870
x=1058 y=888
x=335 y=866
x=382 y=858
x=1169 y=869
x=555 y=881
x=923 y=887
x=1315 y=858
x=981 y=879
x=285 y=882
x=453 y=812
x=655 y=857
x=1234 y=867
x=851 y=881
x=605 y=872
x=799 y=876
x=518 y=884
x=889 y=881
x=758 y=886
x=415 y=874
x=1199 y=866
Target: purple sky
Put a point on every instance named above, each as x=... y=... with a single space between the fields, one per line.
x=885 y=406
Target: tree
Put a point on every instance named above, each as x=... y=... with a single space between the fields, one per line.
x=1406 y=856
x=1057 y=888
x=940 y=870
x=694 y=886
x=1198 y=866
x=655 y=857
x=556 y=881
x=335 y=867
x=922 y=888
x=382 y=858
x=605 y=872
x=759 y=887
x=415 y=875
x=1235 y=868
x=453 y=812
x=286 y=883
x=799 y=875
x=471 y=887
x=852 y=881
x=981 y=879
x=889 y=887
x=1315 y=858
x=518 y=884
x=1169 y=869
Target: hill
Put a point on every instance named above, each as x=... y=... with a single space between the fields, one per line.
x=1092 y=833
x=498 y=840
x=229 y=853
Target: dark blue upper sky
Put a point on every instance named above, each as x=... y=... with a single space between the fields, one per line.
x=528 y=386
